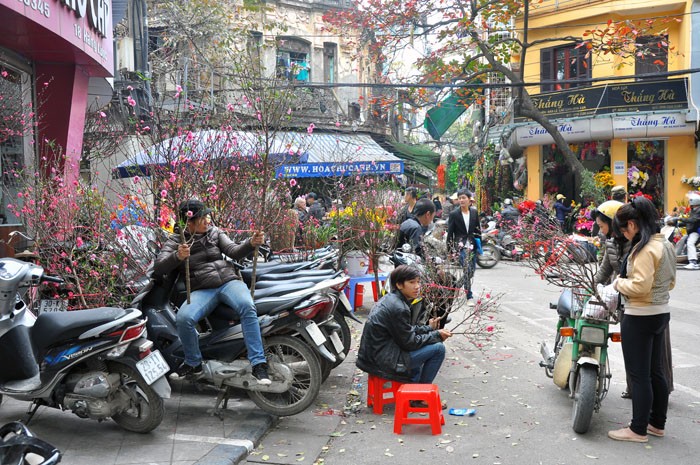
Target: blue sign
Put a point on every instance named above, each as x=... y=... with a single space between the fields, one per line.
x=314 y=170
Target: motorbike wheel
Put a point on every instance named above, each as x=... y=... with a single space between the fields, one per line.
x=584 y=398
x=490 y=257
x=306 y=382
x=345 y=335
x=146 y=411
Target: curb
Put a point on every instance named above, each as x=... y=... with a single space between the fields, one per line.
x=251 y=428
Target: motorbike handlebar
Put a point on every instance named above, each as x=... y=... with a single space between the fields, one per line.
x=52 y=279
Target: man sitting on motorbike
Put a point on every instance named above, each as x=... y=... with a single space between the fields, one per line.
x=213 y=280
x=509 y=214
x=396 y=344
x=412 y=230
x=692 y=225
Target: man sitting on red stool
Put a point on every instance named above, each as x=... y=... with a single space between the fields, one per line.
x=395 y=345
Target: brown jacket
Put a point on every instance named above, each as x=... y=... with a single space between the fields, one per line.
x=208 y=268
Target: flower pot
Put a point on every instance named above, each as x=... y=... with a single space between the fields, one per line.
x=357 y=263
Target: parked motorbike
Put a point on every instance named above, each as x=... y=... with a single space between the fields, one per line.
x=96 y=363
x=497 y=244
x=19 y=446
x=579 y=358
x=290 y=335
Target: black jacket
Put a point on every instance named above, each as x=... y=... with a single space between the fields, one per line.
x=411 y=232
x=390 y=334
x=458 y=232
x=208 y=269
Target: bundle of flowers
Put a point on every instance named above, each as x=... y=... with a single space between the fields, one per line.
x=604 y=179
x=641 y=194
x=526 y=206
x=636 y=177
x=584 y=220
x=693 y=181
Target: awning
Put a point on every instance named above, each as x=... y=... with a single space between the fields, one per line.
x=417 y=154
x=293 y=153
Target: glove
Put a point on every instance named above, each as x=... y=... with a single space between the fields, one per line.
x=479 y=250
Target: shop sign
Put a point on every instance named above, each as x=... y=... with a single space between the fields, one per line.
x=661 y=125
x=619 y=167
x=316 y=170
x=669 y=94
x=573 y=131
x=84 y=24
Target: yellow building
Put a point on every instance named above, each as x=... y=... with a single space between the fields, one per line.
x=645 y=122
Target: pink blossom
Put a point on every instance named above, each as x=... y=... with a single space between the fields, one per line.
x=341 y=185
x=490 y=329
x=178 y=90
x=4 y=74
x=137 y=179
x=103 y=114
x=337 y=124
x=79 y=241
x=189 y=213
x=311 y=128
x=129 y=88
x=68 y=270
x=131 y=101
x=230 y=107
x=289 y=111
x=164 y=193
x=292 y=182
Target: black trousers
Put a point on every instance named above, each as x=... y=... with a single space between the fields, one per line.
x=643 y=340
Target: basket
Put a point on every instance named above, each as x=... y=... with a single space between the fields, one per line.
x=598 y=307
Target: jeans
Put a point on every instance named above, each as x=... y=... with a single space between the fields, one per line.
x=468 y=275
x=236 y=295
x=692 y=248
x=643 y=339
x=426 y=362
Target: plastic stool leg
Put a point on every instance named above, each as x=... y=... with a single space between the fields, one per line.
x=374 y=290
x=350 y=290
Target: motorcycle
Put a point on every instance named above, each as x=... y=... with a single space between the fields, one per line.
x=19 y=446
x=497 y=245
x=579 y=359
x=290 y=336
x=96 y=363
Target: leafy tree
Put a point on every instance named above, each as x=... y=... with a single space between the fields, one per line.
x=472 y=42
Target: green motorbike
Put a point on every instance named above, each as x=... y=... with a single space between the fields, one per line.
x=579 y=359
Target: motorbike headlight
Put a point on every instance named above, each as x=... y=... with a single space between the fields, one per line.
x=592 y=335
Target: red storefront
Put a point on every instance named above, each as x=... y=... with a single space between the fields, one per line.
x=55 y=49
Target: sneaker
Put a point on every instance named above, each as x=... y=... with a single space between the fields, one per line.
x=260 y=373
x=692 y=266
x=187 y=371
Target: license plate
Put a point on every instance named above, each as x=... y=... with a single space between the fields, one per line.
x=344 y=300
x=152 y=367
x=52 y=305
x=337 y=343
x=315 y=333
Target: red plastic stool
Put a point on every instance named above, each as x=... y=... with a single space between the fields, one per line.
x=425 y=392
x=376 y=388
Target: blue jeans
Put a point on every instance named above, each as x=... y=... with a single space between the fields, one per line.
x=426 y=362
x=236 y=295
x=470 y=270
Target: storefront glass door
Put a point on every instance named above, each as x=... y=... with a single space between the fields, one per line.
x=645 y=170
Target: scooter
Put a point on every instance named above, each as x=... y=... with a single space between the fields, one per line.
x=579 y=359
x=286 y=324
x=96 y=363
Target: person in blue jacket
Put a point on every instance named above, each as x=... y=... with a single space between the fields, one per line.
x=561 y=209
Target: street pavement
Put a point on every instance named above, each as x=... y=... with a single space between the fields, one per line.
x=522 y=417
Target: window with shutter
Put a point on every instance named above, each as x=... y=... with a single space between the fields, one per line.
x=651 y=57
x=564 y=66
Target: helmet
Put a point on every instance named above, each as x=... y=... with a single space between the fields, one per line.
x=508 y=202
x=609 y=208
x=694 y=200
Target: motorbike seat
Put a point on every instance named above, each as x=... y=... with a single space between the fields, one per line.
x=247 y=274
x=264 y=283
x=280 y=289
x=52 y=328
x=274 y=267
x=277 y=304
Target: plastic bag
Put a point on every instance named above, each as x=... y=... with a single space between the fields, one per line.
x=600 y=309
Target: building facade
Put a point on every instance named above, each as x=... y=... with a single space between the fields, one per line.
x=55 y=58
x=634 y=118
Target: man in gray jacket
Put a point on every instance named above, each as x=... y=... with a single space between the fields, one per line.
x=213 y=280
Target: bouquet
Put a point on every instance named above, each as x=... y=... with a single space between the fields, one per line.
x=637 y=178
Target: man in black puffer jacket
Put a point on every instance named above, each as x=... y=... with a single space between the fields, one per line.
x=213 y=280
x=394 y=345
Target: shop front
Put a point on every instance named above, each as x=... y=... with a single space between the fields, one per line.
x=51 y=53
x=637 y=132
